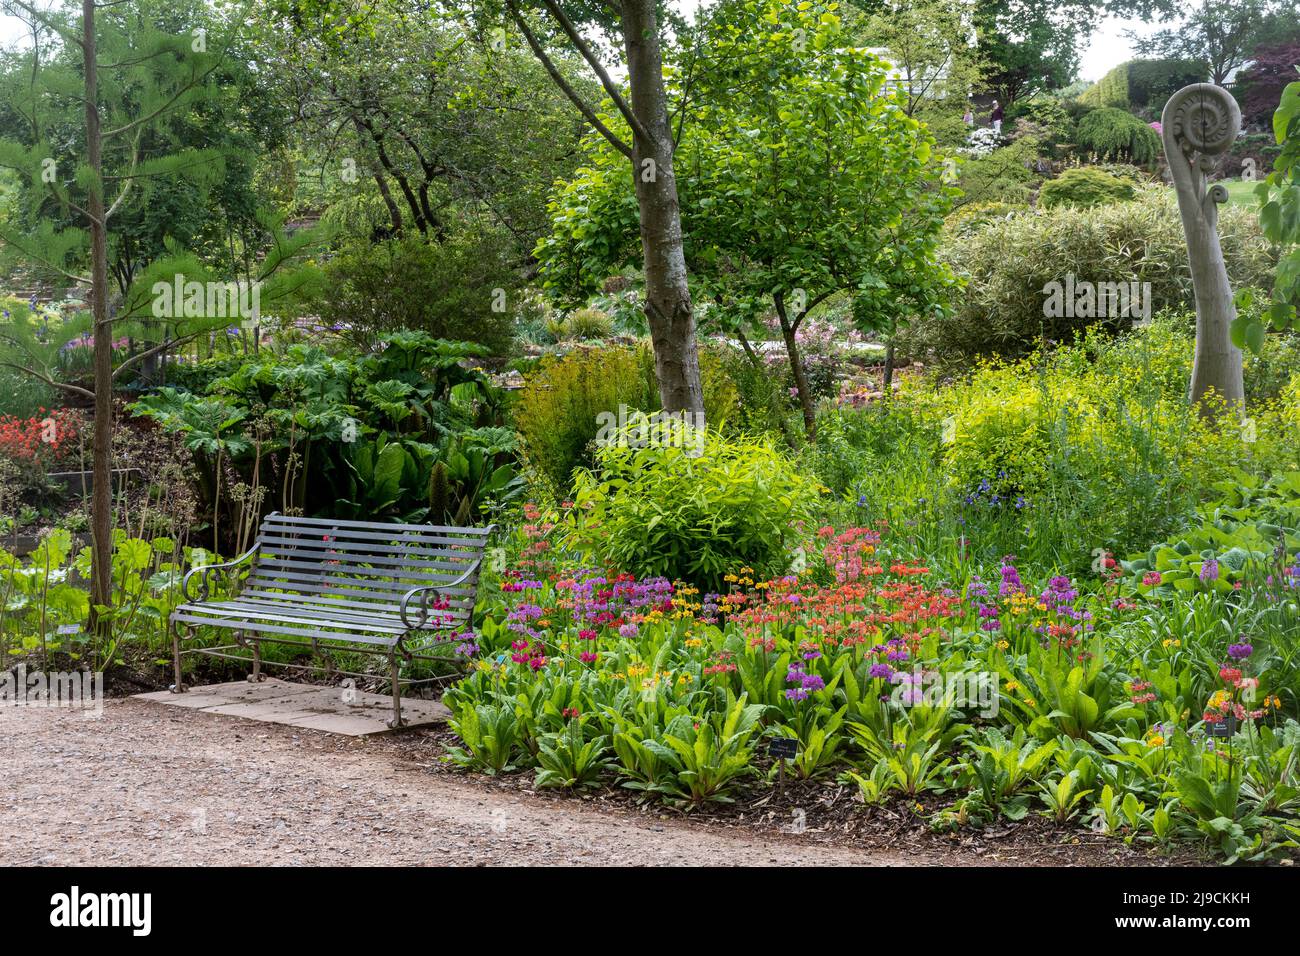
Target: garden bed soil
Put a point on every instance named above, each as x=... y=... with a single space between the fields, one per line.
x=828 y=814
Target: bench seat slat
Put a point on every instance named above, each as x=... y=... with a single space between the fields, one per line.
x=287 y=614
x=449 y=569
x=266 y=627
x=293 y=606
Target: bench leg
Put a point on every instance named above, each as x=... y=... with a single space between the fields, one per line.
x=179 y=686
x=396 y=720
x=257 y=676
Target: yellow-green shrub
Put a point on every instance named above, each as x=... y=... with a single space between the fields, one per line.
x=557 y=410
x=1083 y=187
x=692 y=510
x=1099 y=412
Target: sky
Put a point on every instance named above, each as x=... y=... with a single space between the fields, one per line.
x=1107 y=49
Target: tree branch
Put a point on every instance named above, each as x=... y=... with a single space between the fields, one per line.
x=75 y=389
x=80 y=280
x=588 y=113
x=638 y=128
x=160 y=347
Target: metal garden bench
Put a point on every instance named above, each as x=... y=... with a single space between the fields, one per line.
x=393 y=590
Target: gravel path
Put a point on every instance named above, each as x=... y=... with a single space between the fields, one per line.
x=153 y=785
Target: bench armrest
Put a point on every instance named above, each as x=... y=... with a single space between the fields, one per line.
x=424 y=589
x=207 y=569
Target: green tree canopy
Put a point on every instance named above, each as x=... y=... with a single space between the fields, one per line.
x=802 y=176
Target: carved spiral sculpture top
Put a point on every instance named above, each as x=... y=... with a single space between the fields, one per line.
x=1201 y=118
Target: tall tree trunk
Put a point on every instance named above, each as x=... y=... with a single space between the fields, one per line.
x=101 y=500
x=668 y=300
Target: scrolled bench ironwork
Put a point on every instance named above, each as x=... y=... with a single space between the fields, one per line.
x=361 y=586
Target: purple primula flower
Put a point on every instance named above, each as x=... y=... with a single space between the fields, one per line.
x=813 y=682
x=1010 y=580
x=1210 y=571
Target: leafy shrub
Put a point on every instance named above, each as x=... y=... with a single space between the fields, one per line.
x=764 y=405
x=590 y=323
x=1030 y=458
x=1152 y=82
x=1134 y=174
x=1044 y=118
x=1083 y=187
x=1251 y=155
x=346 y=435
x=1269 y=372
x=41 y=443
x=584 y=323
x=196 y=377
x=1008 y=263
x=876 y=439
x=557 y=411
x=444 y=289
x=967 y=219
x=691 y=512
x=1238 y=534
x=1117 y=134
x=1110 y=90
x=1005 y=175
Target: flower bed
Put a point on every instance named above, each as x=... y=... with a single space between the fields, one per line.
x=990 y=698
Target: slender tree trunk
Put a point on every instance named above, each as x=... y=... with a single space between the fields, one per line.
x=668 y=300
x=788 y=330
x=889 y=368
x=101 y=500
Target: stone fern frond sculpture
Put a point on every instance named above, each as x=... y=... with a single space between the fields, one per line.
x=1199 y=124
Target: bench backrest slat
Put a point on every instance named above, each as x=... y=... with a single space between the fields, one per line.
x=367 y=565
x=341 y=525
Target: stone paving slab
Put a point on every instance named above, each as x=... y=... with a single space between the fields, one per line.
x=303 y=705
